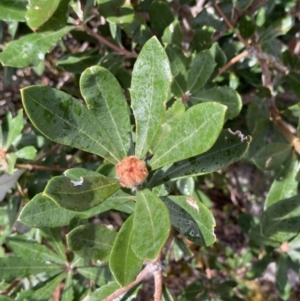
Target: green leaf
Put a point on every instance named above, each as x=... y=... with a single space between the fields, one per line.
x=150 y=84
x=281 y=221
x=80 y=196
x=31 y=49
x=282 y=282
x=53 y=237
x=171 y=118
x=27 y=153
x=78 y=62
x=186 y=186
x=15 y=267
x=104 y=97
x=15 y=127
x=172 y=34
x=68 y=292
x=43 y=290
x=42 y=212
x=200 y=71
x=99 y=274
x=246 y=27
x=63 y=119
x=223 y=95
x=123 y=262
x=91 y=241
x=196 y=132
x=283 y=187
x=104 y=291
x=293 y=79
x=31 y=250
x=272 y=155
x=115 y=11
x=151 y=225
x=13 y=10
x=228 y=148
x=47 y=15
x=192 y=219
x=11 y=159
x=161 y=16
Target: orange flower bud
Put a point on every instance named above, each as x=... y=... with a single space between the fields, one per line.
x=131 y=171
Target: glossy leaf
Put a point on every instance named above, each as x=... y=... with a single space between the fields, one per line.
x=123 y=262
x=42 y=212
x=91 y=192
x=63 y=119
x=31 y=49
x=186 y=186
x=200 y=71
x=13 y=10
x=27 y=152
x=223 y=95
x=151 y=225
x=172 y=34
x=283 y=187
x=47 y=15
x=32 y=250
x=15 y=127
x=195 y=133
x=23 y=267
x=150 y=84
x=161 y=15
x=91 y=241
x=104 y=97
x=192 y=219
x=281 y=221
x=228 y=148
x=68 y=292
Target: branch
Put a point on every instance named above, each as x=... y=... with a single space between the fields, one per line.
x=233 y=61
x=158 y=281
x=40 y=167
x=147 y=271
x=104 y=41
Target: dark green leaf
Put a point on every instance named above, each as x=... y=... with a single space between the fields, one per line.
x=99 y=274
x=82 y=195
x=151 y=225
x=172 y=34
x=192 y=219
x=282 y=283
x=92 y=241
x=281 y=221
x=151 y=79
x=272 y=155
x=13 y=10
x=161 y=16
x=200 y=71
x=105 y=98
x=228 y=148
x=31 y=49
x=196 y=132
x=15 y=267
x=63 y=119
x=293 y=79
x=123 y=262
x=246 y=27
x=223 y=95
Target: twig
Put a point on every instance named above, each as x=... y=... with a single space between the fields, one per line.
x=148 y=270
x=46 y=154
x=40 y=167
x=104 y=41
x=233 y=61
x=229 y=25
x=158 y=281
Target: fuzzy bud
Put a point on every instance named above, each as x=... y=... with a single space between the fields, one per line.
x=131 y=171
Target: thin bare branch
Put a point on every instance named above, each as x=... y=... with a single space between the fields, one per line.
x=233 y=61
x=40 y=167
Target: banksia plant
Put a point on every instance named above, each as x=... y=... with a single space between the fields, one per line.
x=166 y=140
